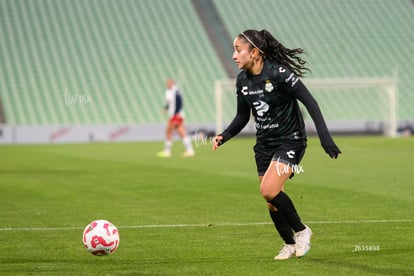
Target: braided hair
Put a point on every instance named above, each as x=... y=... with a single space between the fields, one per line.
x=272 y=49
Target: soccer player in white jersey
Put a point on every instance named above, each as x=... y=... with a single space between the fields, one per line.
x=174 y=107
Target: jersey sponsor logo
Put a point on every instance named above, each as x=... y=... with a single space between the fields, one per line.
x=292 y=79
x=256 y=92
x=268 y=126
x=268 y=86
x=261 y=107
x=245 y=91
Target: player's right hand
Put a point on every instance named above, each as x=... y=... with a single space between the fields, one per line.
x=217 y=141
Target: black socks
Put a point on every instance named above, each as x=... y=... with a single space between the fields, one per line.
x=282 y=226
x=285 y=205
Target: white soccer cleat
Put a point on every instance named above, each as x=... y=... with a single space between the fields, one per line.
x=188 y=153
x=287 y=252
x=164 y=154
x=302 y=239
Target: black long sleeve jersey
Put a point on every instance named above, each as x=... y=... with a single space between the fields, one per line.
x=272 y=98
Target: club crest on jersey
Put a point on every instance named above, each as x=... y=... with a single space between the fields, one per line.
x=268 y=86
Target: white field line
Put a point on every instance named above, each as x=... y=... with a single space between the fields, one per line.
x=206 y=225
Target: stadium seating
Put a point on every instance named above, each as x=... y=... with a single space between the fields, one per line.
x=102 y=62
x=343 y=39
x=105 y=62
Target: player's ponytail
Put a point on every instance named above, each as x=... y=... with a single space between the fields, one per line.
x=271 y=48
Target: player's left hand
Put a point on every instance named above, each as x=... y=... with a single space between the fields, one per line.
x=332 y=150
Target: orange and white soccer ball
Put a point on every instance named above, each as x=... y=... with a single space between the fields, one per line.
x=101 y=237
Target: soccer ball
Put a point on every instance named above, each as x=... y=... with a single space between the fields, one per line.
x=101 y=237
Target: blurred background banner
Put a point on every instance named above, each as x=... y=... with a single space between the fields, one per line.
x=86 y=69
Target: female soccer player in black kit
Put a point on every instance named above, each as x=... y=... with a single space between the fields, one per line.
x=269 y=86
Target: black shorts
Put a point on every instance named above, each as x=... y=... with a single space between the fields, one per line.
x=289 y=154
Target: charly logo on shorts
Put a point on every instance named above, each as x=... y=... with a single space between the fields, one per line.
x=291 y=154
x=268 y=86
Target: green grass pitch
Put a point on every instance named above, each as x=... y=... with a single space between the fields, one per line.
x=204 y=215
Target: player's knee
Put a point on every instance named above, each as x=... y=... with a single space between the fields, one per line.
x=267 y=193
